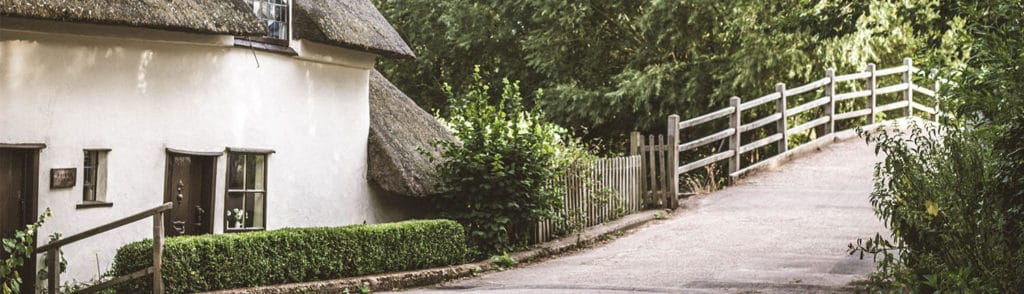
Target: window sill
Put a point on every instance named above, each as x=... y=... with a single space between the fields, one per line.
x=244 y=230
x=258 y=44
x=92 y=204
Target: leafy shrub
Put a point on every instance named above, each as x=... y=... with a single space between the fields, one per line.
x=953 y=196
x=504 y=260
x=18 y=250
x=211 y=262
x=953 y=225
x=497 y=178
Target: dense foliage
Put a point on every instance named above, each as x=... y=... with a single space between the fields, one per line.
x=938 y=193
x=17 y=250
x=497 y=179
x=953 y=195
x=611 y=67
x=211 y=262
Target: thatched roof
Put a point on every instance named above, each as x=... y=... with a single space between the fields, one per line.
x=398 y=131
x=355 y=24
x=197 y=16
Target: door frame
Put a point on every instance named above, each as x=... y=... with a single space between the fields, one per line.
x=32 y=185
x=168 y=165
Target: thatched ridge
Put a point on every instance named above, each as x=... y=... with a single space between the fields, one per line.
x=355 y=24
x=195 y=16
x=399 y=129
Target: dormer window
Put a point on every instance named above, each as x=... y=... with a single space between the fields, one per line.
x=274 y=15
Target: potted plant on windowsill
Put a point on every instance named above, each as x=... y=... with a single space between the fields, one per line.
x=237 y=217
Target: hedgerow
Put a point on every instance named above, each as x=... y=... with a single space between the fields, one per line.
x=226 y=261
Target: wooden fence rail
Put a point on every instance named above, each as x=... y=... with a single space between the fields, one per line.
x=665 y=187
x=52 y=250
x=595 y=192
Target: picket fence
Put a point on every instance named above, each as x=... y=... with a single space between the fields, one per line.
x=593 y=193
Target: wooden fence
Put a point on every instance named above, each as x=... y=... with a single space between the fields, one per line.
x=595 y=192
x=776 y=125
x=52 y=250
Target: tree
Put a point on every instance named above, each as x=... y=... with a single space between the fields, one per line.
x=610 y=67
x=450 y=38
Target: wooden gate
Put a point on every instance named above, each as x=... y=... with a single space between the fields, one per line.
x=657 y=174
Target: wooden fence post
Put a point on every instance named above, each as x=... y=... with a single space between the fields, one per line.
x=652 y=170
x=735 y=121
x=53 y=268
x=935 y=75
x=830 y=90
x=158 y=253
x=872 y=100
x=908 y=79
x=663 y=155
x=666 y=172
x=673 y=161
x=780 y=126
x=635 y=141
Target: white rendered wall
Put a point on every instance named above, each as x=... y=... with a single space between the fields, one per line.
x=138 y=97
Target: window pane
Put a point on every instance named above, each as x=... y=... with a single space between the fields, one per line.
x=280 y=12
x=276 y=29
x=89 y=193
x=89 y=176
x=255 y=171
x=236 y=171
x=267 y=11
x=254 y=209
x=233 y=206
x=274 y=16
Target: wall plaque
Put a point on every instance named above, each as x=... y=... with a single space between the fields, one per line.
x=62 y=178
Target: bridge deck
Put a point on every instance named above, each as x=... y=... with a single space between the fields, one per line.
x=780 y=230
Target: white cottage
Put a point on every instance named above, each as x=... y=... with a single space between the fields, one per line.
x=247 y=114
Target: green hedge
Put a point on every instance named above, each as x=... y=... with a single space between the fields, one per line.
x=211 y=262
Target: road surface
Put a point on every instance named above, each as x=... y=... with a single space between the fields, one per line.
x=783 y=230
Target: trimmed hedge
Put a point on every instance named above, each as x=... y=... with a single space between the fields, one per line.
x=213 y=262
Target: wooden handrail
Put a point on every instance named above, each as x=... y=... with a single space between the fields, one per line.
x=706 y=118
x=771 y=118
x=110 y=226
x=760 y=100
x=891 y=70
x=704 y=141
x=808 y=87
x=807 y=106
x=157 y=213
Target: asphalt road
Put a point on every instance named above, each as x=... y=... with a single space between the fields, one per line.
x=784 y=230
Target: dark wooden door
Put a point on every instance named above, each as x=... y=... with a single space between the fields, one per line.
x=18 y=201
x=190 y=180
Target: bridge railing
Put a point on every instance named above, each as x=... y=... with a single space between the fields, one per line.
x=780 y=135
